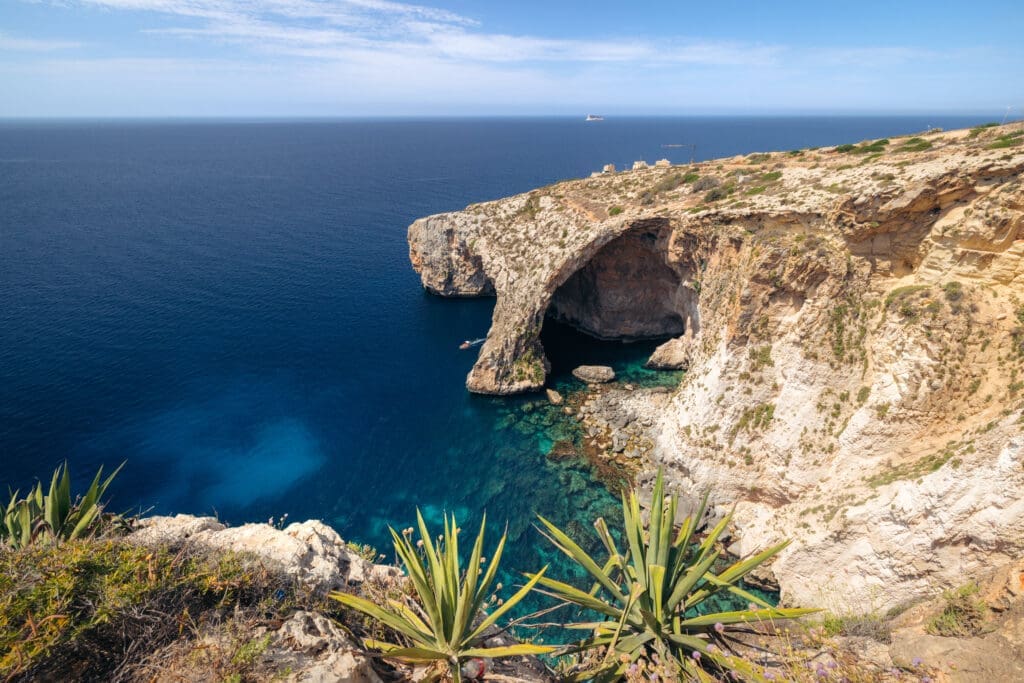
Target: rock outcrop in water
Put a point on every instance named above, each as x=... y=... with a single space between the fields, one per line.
x=852 y=320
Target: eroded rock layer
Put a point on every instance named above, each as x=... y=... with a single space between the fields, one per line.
x=853 y=323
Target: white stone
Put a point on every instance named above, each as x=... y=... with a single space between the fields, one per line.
x=310 y=551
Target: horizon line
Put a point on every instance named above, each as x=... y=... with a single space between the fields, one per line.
x=377 y=116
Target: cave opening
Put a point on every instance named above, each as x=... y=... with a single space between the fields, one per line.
x=566 y=347
x=620 y=304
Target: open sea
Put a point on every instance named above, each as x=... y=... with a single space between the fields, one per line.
x=229 y=308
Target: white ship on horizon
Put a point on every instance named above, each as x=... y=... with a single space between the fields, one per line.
x=594 y=117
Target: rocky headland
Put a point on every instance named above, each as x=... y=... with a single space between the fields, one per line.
x=851 y=320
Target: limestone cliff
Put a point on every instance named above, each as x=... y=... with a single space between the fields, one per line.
x=852 y=321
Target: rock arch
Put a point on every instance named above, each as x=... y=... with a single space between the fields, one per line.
x=628 y=288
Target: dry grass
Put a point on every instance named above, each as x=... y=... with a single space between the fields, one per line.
x=96 y=609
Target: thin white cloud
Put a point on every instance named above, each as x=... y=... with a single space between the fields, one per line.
x=331 y=29
x=870 y=57
x=349 y=56
x=15 y=44
x=337 y=12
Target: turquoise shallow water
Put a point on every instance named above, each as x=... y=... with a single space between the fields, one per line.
x=229 y=307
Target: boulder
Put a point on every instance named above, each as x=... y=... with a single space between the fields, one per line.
x=310 y=551
x=313 y=649
x=307 y=647
x=594 y=374
x=675 y=354
x=554 y=397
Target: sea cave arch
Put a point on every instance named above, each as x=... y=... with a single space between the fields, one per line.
x=628 y=289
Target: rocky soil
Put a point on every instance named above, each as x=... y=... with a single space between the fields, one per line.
x=307 y=647
x=852 y=321
x=989 y=648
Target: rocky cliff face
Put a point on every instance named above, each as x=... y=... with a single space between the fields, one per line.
x=853 y=323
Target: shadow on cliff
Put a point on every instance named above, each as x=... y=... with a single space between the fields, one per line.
x=621 y=302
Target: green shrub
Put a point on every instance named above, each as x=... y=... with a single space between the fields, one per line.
x=653 y=598
x=716 y=194
x=1008 y=140
x=755 y=417
x=978 y=130
x=706 y=183
x=963 y=614
x=760 y=357
x=873 y=626
x=904 y=301
x=666 y=184
x=915 y=145
x=954 y=291
x=55 y=516
x=876 y=147
x=614 y=210
x=917 y=468
x=442 y=625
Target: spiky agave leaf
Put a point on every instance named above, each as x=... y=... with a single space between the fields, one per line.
x=651 y=595
x=451 y=599
x=54 y=516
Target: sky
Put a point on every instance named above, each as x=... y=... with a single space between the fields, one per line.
x=296 y=58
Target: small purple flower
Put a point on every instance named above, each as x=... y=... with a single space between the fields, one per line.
x=769 y=676
x=710 y=648
x=926 y=679
x=633 y=668
x=832 y=664
x=916 y=661
x=695 y=655
x=719 y=627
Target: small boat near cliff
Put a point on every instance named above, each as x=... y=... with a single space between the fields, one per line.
x=470 y=343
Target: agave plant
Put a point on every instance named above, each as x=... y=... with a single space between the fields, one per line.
x=55 y=516
x=653 y=598
x=445 y=625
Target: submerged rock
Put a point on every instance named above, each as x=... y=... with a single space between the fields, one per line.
x=594 y=374
x=554 y=397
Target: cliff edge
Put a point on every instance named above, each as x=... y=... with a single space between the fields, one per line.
x=852 y=321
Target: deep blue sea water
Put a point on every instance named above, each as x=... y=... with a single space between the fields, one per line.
x=228 y=307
